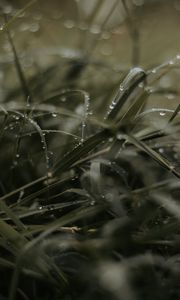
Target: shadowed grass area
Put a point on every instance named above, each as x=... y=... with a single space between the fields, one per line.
x=89 y=182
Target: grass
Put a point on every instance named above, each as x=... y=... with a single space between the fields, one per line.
x=89 y=185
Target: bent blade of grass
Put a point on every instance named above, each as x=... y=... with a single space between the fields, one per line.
x=130 y=83
x=20 y=72
x=175 y=113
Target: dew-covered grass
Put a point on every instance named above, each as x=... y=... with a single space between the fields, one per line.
x=90 y=176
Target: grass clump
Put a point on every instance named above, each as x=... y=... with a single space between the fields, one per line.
x=89 y=184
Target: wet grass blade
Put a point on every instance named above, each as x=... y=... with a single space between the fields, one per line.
x=130 y=83
x=80 y=151
x=24 y=85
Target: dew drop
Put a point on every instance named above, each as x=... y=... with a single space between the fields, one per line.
x=111 y=106
x=63 y=99
x=49 y=174
x=141 y=85
x=170 y=96
x=161 y=150
x=34 y=27
x=111 y=139
x=90 y=113
x=121 y=88
x=154 y=71
x=69 y=24
x=95 y=29
x=54 y=115
x=162 y=113
x=171 y=62
x=17 y=155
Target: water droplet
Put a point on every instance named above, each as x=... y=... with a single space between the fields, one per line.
x=154 y=71
x=49 y=174
x=90 y=113
x=111 y=106
x=17 y=155
x=161 y=150
x=69 y=24
x=119 y=136
x=171 y=62
x=34 y=27
x=149 y=90
x=141 y=85
x=54 y=115
x=63 y=99
x=40 y=207
x=170 y=96
x=162 y=113
x=121 y=87
x=178 y=56
x=111 y=139
x=95 y=29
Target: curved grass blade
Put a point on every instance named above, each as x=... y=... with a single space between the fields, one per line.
x=24 y=85
x=131 y=81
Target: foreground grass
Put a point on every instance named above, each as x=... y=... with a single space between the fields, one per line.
x=89 y=186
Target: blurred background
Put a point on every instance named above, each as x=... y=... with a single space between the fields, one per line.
x=108 y=37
